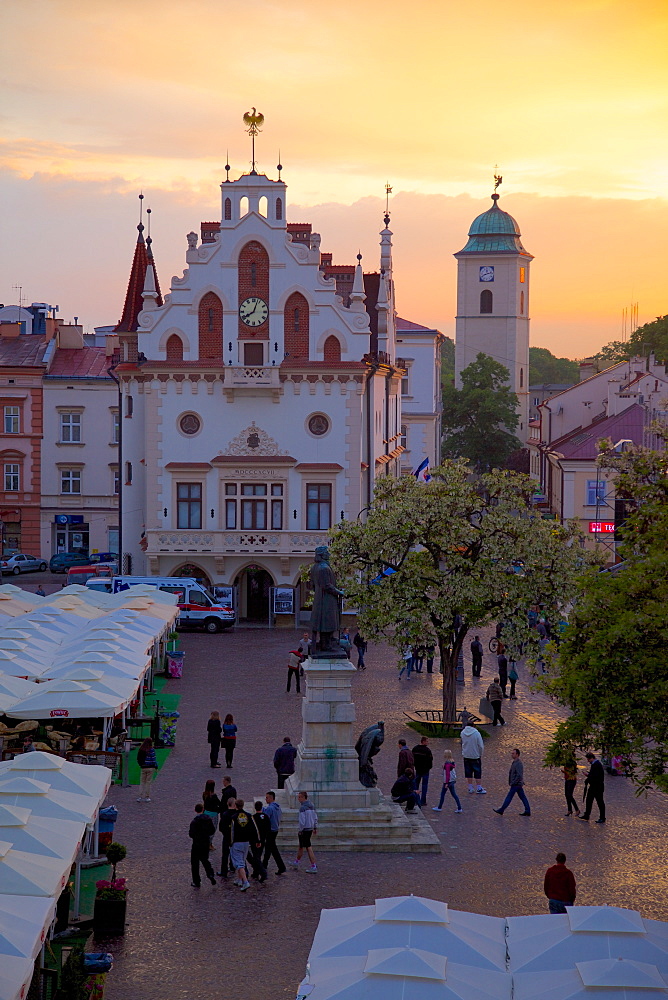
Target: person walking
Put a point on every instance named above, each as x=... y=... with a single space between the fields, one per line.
x=570 y=773
x=407 y=662
x=274 y=814
x=214 y=731
x=423 y=761
x=242 y=831
x=227 y=792
x=148 y=766
x=295 y=659
x=495 y=697
x=200 y=832
x=227 y=814
x=211 y=804
x=284 y=761
x=559 y=885
x=418 y=659
x=403 y=790
x=305 y=644
x=594 y=787
x=516 y=783
x=431 y=649
x=308 y=828
x=405 y=758
x=476 y=656
x=502 y=661
x=229 y=739
x=361 y=646
x=257 y=847
x=513 y=677
x=472 y=751
x=449 y=782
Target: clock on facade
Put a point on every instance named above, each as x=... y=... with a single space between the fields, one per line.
x=253 y=311
x=487 y=274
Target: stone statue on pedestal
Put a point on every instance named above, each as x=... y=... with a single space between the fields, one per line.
x=367 y=746
x=325 y=614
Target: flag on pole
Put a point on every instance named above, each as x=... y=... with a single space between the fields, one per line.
x=422 y=472
x=388 y=571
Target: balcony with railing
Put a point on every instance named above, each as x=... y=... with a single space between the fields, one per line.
x=282 y=543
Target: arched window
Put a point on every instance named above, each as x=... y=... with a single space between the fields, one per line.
x=253 y=274
x=174 y=348
x=486 y=300
x=279 y=208
x=332 y=349
x=521 y=377
x=243 y=207
x=211 y=327
x=263 y=206
x=296 y=327
x=521 y=303
x=228 y=209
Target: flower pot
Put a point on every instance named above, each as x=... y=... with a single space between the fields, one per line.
x=109 y=915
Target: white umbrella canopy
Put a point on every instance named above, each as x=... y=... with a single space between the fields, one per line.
x=17 y=686
x=611 y=979
x=117 y=669
x=23 y=925
x=29 y=793
x=539 y=943
x=23 y=874
x=62 y=775
x=56 y=621
x=78 y=701
x=105 y=683
x=6 y=702
x=39 y=834
x=15 y=663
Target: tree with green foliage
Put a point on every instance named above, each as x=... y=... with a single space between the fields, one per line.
x=614 y=352
x=478 y=419
x=447 y=362
x=612 y=668
x=651 y=338
x=435 y=560
x=544 y=367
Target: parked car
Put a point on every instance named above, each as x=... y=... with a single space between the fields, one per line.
x=102 y=557
x=82 y=574
x=61 y=562
x=21 y=563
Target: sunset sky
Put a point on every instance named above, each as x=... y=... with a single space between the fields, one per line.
x=102 y=99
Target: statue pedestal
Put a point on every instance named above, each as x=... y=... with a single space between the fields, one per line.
x=352 y=817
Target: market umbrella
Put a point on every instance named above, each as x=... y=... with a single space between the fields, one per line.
x=25 y=874
x=40 y=835
x=6 y=702
x=614 y=979
x=120 y=666
x=43 y=800
x=62 y=775
x=67 y=699
x=104 y=682
x=15 y=662
x=24 y=922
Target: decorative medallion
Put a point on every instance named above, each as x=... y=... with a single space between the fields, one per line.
x=318 y=424
x=190 y=423
x=252 y=441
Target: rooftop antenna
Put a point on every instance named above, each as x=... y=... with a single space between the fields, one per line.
x=227 y=167
x=19 y=289
x=388 y=192
x=253 y=120
x=279 y=165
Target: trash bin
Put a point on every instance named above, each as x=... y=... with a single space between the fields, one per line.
x=175 y=663
x=167 y=730
x=108 y=817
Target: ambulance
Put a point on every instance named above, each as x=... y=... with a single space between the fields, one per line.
x=197 y=608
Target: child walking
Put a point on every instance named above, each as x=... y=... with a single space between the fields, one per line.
x=449 y=782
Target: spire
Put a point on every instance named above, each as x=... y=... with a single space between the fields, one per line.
x=382 y=308
x=358 y=295
x=134 y=296
x=386 y=246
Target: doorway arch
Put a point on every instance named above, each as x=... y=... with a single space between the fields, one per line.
x=193 y=570
x=254 y=585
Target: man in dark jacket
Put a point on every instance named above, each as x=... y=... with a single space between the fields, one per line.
x=405 y=758
x=516 y=782
x=284 y=761
x=257 y=847
x=476 y=656
x=227 y=813
x=594 y=786
x=424 y=761
x=227 y=792
x=403 y=790
x=201 y=831
x=559 y=885
x=361 y=647
x=502 y=661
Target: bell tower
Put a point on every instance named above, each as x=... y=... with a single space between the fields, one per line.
x=493 y=302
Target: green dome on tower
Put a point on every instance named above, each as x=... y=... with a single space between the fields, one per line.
x=494 y=231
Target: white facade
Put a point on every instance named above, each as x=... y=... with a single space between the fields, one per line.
x=79 y=454
x=493 y=285
x=255 y=416
x=419 y=354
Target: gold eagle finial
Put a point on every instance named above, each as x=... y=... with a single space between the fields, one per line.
x=253 y=120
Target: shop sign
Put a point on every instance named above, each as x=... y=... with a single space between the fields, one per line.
x=59 y=713
x=601 y=527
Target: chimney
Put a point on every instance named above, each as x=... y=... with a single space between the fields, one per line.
x=70 y=336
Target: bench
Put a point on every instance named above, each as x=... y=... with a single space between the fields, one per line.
x=432 y=719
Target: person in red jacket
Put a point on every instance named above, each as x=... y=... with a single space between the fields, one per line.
x=559 y=885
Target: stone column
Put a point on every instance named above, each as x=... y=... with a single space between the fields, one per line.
x=327 y=765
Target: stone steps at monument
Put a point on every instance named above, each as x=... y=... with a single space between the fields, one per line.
x=386 y=828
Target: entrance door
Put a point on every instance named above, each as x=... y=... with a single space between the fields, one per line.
x=255 y=585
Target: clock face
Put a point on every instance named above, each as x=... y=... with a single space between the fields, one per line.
x=253 y=311
x=487 y=274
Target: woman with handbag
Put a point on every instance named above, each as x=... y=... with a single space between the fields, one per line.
x=449 y=782
x=513 y=678
x=229 y=740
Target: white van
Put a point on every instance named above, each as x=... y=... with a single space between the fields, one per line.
x=196 y=605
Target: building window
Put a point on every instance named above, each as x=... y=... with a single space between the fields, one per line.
x=117 y=479
x=404 y=436
x=253 y=512
x=521 y=378
x=486 y=301
x=129 y=406
x=70 y=481
x=405 y=383
x=174 y=348
x=228 y=210
x=279 y=208
x=115 y=427
x=253 y=274
x=12 y=420
x=188 y=505
x=128 y=473
x=276 y=507
x=295 y=320
x=230 y=514
x=253 y=354
x=521 y=303
x=595 y=492
x=523 y=272
x=70 y=428
x=332 y=349
x=12 y=478
x=536 y=400
x=210 y=319
x=318 y=506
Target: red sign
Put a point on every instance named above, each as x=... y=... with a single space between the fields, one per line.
x=601 y=527
x=59 y=713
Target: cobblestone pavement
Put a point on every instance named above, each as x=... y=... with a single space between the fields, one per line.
x=200 y=944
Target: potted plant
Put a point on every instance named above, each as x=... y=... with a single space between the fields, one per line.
x=111 y=896
x=172 y=641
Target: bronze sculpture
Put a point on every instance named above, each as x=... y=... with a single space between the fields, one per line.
x=367 y=746
x=325 y=614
